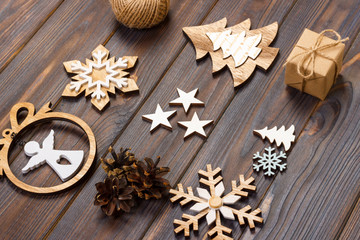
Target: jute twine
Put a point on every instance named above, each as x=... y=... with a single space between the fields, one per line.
x=309 y=54
x=140 y=13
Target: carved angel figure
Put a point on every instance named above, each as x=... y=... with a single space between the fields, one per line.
x=48 y=155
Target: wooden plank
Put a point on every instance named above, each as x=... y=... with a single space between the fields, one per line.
x=20 y=20
x=232 y=143
x=125 y=42
x=322 y=187
x=175 y=152
x=352 y=230
x=34 y=76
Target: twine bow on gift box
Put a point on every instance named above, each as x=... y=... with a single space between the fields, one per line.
x=309 y=54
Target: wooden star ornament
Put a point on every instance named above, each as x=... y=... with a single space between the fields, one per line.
x=195 y=126
x=187 y=99
x=99 y=76
x=242 y=49
x=159 y=118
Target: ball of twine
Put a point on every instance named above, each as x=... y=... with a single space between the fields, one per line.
x=140 y=13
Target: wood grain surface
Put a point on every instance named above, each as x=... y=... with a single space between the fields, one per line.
x=317 y=197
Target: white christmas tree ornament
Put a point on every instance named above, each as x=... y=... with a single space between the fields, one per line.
x=236 y=45
x=280 y=136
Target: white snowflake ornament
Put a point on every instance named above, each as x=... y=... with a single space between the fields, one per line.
x=99 y=76
x=211 y=204
x=187 y=99
x=269 y=161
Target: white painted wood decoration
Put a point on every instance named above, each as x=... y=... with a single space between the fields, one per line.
x=269 y=161
x=195 y=125
x=237 y=45
x=47 y=154
x=187 y=99
x=280 y=136
x=159 y=118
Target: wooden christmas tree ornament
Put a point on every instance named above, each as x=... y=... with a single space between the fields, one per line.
x=211 y=204
x=99 y=76
x=280 y=136
x=39 y=155
x=242 y=49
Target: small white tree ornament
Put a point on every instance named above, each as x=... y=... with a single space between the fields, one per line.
x=211 y=204
x=280 y=136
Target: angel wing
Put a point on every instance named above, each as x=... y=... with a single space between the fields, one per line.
x=48 y=143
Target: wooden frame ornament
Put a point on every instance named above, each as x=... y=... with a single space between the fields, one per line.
x=32 y=118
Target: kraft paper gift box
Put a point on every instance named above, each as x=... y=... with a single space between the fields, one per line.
x=315 y=63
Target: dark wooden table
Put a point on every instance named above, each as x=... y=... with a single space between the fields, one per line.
x=317 y=197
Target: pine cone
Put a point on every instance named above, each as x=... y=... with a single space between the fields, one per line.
x=147 y=179
x=114 y=195
x=119 y=164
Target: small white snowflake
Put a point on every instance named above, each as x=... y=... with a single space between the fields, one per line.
x=269 y=161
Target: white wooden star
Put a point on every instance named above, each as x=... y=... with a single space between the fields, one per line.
x=187 y=99
x=195 y=126
x=159 y=118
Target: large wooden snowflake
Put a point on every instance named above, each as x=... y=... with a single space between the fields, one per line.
x=213 y=203
x=99 y=76
x=247 y=48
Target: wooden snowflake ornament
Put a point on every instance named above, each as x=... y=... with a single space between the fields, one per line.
x=242 y=49
x=211 y=204
x=99 y=76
